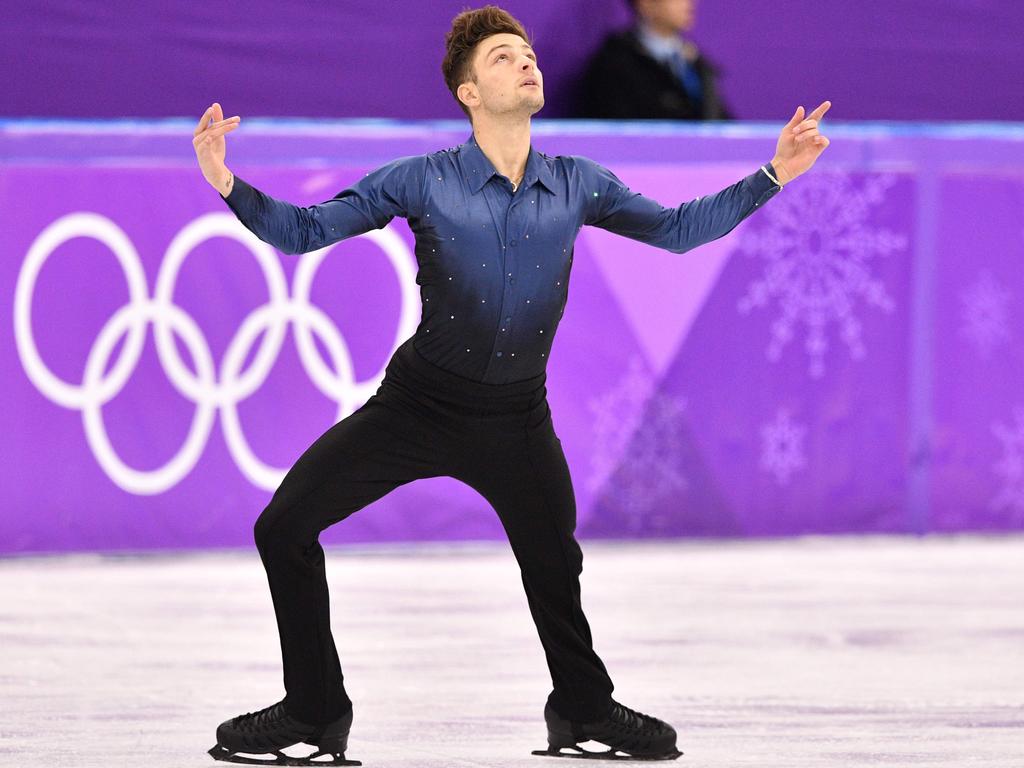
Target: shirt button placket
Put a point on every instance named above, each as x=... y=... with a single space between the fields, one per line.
x=510 y=251
x=509 y=281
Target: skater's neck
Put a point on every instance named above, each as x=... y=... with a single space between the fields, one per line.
x=506 y=143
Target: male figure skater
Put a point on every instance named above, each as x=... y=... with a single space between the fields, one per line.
x=465 y=397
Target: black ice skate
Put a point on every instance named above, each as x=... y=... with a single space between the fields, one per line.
x=630 y=735
x=270 y=730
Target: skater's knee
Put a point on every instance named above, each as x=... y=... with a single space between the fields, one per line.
x=261 y=530
x=279 y=527
x=267 y=528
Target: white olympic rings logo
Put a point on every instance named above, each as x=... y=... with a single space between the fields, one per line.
x=210 y=390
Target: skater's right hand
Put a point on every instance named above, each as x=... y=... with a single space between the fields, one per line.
x=210 y=146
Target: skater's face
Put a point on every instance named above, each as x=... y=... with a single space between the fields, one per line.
x=507 y=79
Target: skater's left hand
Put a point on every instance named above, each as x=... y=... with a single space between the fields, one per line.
x=800 y=143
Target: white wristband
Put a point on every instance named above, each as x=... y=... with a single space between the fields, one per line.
x=769 y=175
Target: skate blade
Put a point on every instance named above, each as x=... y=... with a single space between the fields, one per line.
x=611 y=754
x=217 y=752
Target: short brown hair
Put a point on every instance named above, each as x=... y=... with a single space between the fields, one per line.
x=468 y=29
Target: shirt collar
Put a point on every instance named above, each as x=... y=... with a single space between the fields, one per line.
x=660 y=48
x=479 y=169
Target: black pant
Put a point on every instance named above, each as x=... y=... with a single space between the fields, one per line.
x=422 y=422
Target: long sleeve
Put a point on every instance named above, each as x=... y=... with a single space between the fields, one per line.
x=613 y=206
x=394 y=189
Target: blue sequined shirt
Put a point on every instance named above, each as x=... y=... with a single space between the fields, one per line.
x=494 y=264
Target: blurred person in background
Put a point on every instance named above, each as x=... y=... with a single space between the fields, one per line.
x=652 y=70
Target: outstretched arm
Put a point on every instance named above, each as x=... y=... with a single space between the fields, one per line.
x=370 y=203
x=389 y=191
x=613 y=206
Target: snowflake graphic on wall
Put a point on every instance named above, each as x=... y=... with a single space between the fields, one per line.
x=817 y=245
x=782 y=446
x=636 y=449
x=984 y=320
x=1010 y=467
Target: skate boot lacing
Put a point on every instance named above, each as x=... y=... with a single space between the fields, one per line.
x=263 y=718
x=647 y=725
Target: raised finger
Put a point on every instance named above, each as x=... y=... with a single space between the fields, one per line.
x=797 y=115
x=230 y=121
x=218 y=113
x=214 y=132
x=202 y=121
x=822 y=108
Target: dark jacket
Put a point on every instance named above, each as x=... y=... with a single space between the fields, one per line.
x=623 y=81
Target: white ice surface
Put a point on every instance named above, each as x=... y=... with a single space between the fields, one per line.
x=845 y=651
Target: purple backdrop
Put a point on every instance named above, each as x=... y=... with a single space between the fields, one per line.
x=875 y=59
x=848 y=359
